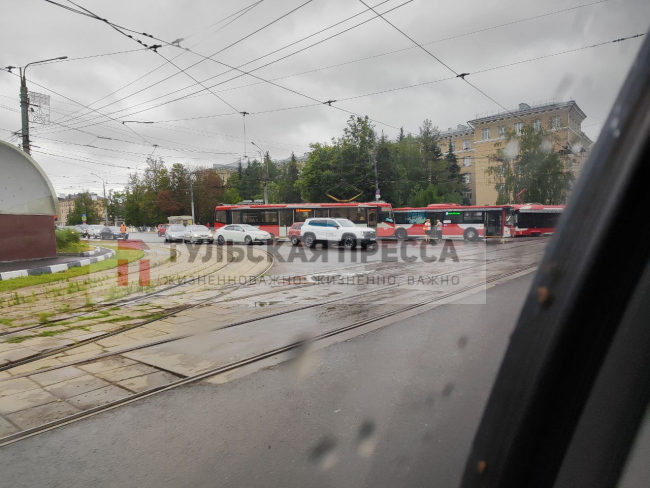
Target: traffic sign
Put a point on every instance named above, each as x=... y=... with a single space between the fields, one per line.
x=83 y=218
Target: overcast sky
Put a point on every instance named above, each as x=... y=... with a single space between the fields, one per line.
x=33 y=30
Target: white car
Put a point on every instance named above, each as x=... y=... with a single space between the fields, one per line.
x=174 y=233
x=197 y=233
x=242 y=233
x=94 y=230
x=336 y=231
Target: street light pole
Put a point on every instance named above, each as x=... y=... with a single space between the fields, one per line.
x=105 y=202
x=24 y=102
x=266 y=177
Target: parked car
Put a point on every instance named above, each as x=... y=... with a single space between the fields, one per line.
x=242 y=233
x=175 y=232
x=197 y=233
x=113 y=233
x=336 y=231
x=294 y=233
x=162 y=228
x=94 y=231
x=82 y=229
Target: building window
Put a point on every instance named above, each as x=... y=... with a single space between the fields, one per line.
x=485 y=134
x=537 y=124
x=465 y=144
x=519 y=126
x=554 y=122
x=501 y=131
x=467 y=161
x=468 y=178
x=467 y=194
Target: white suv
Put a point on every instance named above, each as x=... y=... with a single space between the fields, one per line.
x=336 y=231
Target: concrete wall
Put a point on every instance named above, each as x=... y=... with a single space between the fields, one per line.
x=28 y=205
x=26 y=237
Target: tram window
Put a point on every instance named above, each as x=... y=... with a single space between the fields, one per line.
x=454 y=217
x=220 y=216
x=357 y=215
x=236 y=218
x=286 y=218
x=372 y=217
x=339 y=213
x=473 y=217
x=251 y=217
x=320 y=212
x=302 y=215
x=269 y=217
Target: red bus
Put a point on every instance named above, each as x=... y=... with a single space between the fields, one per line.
x=476 y=222
x=533 y=219
x=276 y=219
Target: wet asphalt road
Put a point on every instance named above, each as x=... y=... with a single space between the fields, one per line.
x=396 y=407
x=292 y=260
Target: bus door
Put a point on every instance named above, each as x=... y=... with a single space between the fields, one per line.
x=286 y=221
x=494 y=223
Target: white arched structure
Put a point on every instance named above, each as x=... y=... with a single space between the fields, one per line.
x=28 y=206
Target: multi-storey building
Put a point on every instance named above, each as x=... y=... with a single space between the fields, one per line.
x=66 y=204
x=474 y=143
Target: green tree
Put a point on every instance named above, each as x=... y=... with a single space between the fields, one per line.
x=421 y=197
x=529 y=162
x=288 y=189
x=208 y=191
x=320 y=173
x=84 y=204
x=115 y=205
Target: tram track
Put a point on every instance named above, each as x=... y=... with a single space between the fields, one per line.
x=206 y=301
x=270 y=353
x=103 y=305
x=162 y=316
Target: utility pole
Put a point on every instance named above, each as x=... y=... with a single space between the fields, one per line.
x=373 y=161
x=105 y=201
x=24 y=102
x=266 y=176
x=192 y=199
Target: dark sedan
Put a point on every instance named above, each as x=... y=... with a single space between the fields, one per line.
x=113 y=233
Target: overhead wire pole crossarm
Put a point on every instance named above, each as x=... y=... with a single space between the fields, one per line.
x=243 y=73
x=205 y=58
x=458 y=75
x=237 y=15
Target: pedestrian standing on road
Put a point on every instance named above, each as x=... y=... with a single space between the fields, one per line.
x=427 y=230
x=439 y=229
x=123 y=228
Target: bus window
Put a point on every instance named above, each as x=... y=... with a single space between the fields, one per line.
x=402 y=217
x=416 y=217
x=453 y=217
x=385 y=214
x=472 y=217
x=236 y=217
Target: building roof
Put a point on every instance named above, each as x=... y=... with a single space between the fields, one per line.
x=25 y=188
x=525 y=110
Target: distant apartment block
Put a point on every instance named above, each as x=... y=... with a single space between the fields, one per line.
x=474 y=143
